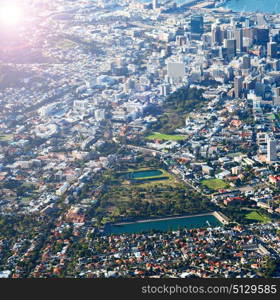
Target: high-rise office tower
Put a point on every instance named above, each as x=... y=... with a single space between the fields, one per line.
x=272 y=50
x=155 y=4
x=275 y=65
x=261 y=21
x=276 y=38
x=224 y=35
x=260 y=88
x=230 y=45
x=229 y=34
x=276 y=96
x=181 y=40
x=247 y=42
x=233 y=22
x=216 y=35
x=247 y=23
x=164 y=89
x=197 y=24
x=272 y=150
x=261 y=36
x=238 y=81
x=246 y=62
x=257 y=104
x=168 y=50
x=249 y=34
x=238 y=34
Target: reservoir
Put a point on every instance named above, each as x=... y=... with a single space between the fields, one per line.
x=142 y=174
x=165 y=224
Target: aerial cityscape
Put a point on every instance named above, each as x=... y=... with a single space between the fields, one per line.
x=139 y=138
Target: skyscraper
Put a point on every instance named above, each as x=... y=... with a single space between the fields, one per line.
x=276 y=96
x=216 y=35
x=197 y=24
x=238 y=80
x=247 y=23
x=164 y=89
x=249 y=33
x=155 y=4
x=230 y=46
x=238 y=34
x=246 y=62
x=261 y=36
x=168 y=50
x=261 y=21
x=272 y=50
x=181 y=40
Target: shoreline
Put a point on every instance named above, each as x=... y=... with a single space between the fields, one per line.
x=248 y=11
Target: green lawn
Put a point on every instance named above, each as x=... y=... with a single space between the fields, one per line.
x=161 y=179
x=165 y=137
x=256 y=216
x=6 y=138
x=237 y=154
x=215 y=184
x=26 y=200
x=277 y=116
x=272 y=116
x=66 y=44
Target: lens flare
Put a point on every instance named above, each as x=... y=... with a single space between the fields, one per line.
x=10 y=14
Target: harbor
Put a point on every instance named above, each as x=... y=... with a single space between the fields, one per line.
x=268 y=6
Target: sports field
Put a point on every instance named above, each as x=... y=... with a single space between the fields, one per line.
x=6 y=138
x=256 y=216
x=215 y=184
x=166 y=137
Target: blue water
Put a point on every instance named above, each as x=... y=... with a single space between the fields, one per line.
x=144 y=174
x=165 y=225
x=163 y=1
x=265 y=6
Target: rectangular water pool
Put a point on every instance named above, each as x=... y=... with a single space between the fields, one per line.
x=189 y=222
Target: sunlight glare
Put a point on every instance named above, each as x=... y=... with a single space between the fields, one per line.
x=10 y=14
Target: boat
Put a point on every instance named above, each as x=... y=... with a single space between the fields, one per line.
x=220 y=3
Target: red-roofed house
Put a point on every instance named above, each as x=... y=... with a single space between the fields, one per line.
x=274 y=179
x=233 y=200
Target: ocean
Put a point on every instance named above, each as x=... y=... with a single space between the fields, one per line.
x=177 y=1
x=265 y=6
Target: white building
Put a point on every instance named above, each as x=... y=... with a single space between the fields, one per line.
x=176 y=71
x=47 y=110
x=99 y=114
x=271 y=150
